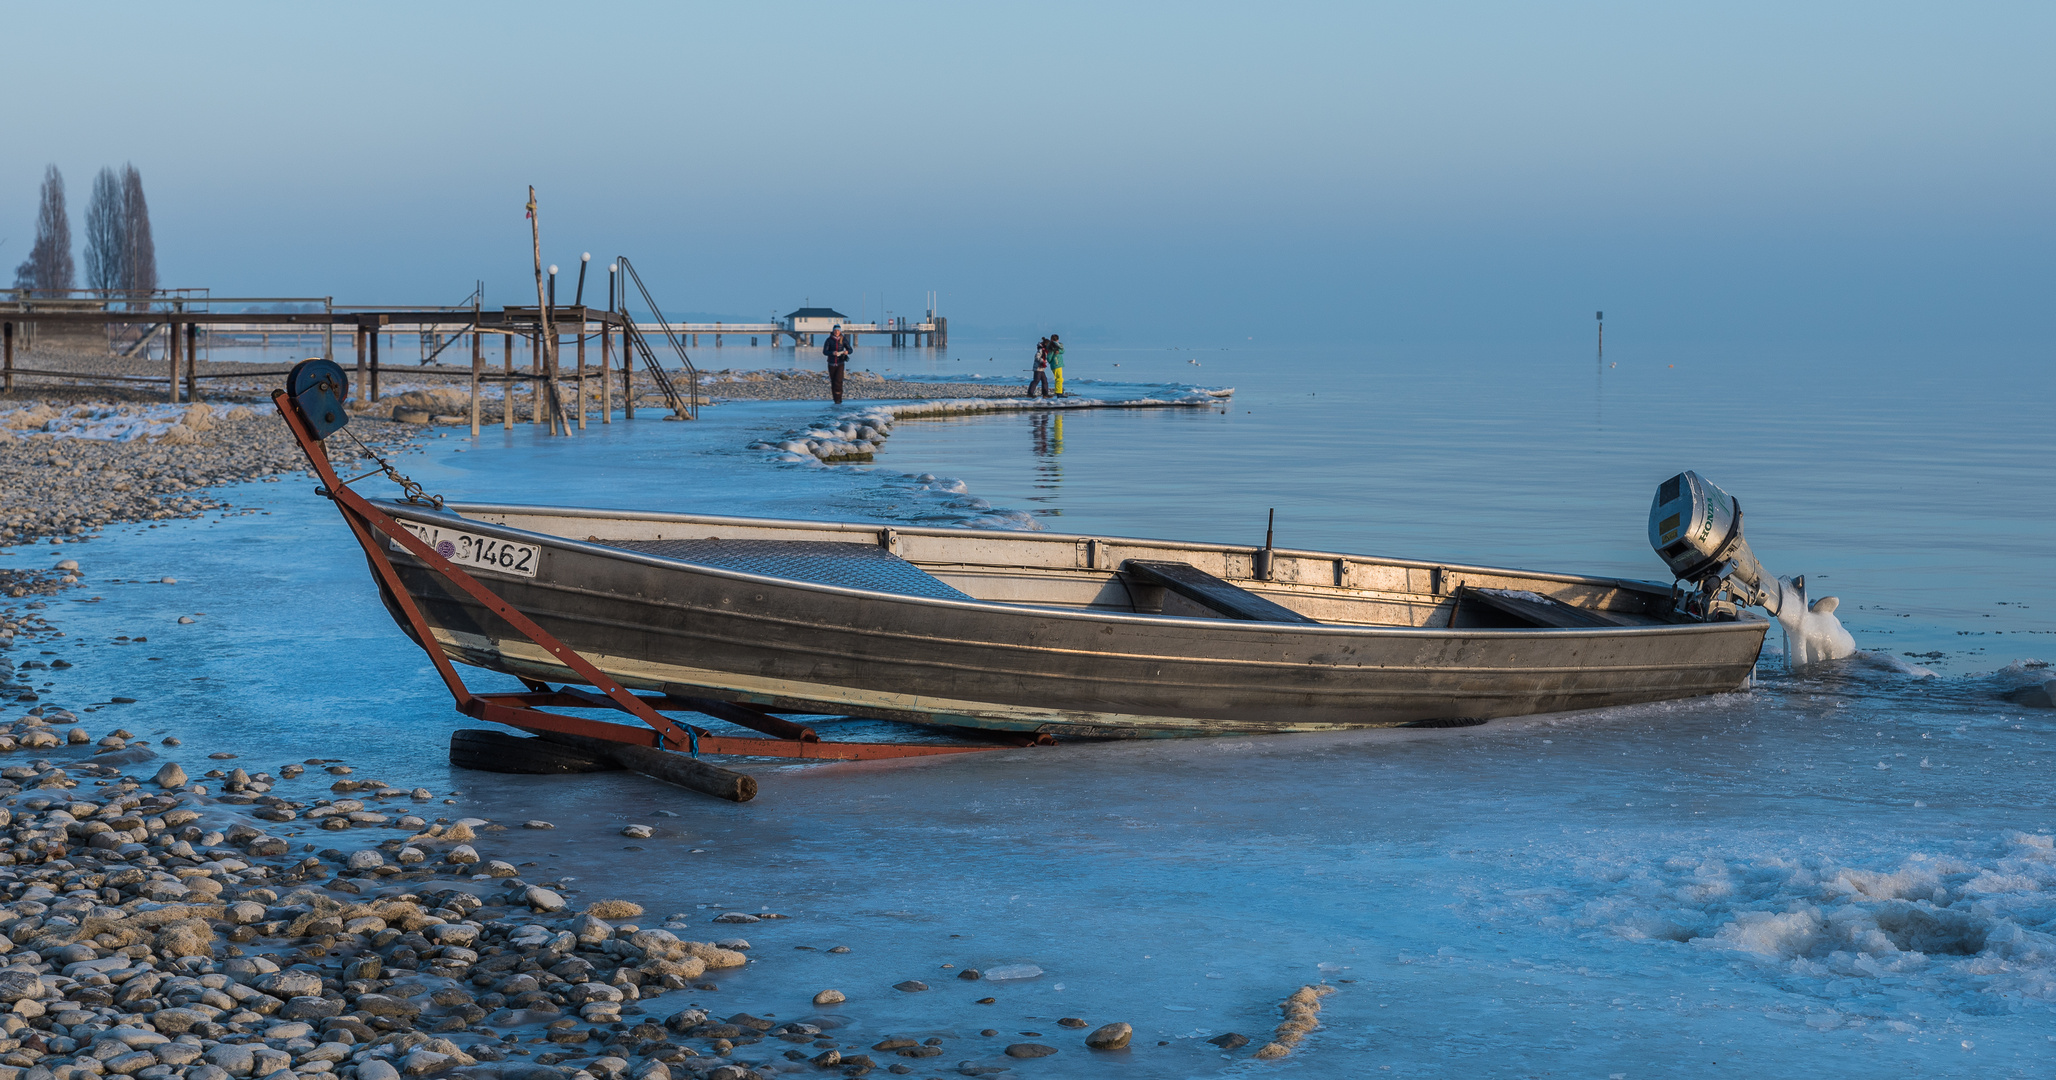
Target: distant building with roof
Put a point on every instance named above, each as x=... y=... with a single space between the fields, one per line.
x=814 y=320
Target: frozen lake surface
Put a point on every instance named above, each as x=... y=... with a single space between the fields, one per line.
x=1844 y=871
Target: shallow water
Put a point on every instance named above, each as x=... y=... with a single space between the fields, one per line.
x=1847 y=869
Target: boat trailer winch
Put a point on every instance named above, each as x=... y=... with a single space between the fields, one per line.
x=312 y=404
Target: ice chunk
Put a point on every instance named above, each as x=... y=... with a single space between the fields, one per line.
x=1812 y=633
x=1012 y=971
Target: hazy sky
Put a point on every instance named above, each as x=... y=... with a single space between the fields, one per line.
x=1176 y=173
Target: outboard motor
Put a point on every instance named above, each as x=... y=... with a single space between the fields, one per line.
x=1696 y=528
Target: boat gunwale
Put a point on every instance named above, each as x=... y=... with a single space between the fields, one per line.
x=457 y=510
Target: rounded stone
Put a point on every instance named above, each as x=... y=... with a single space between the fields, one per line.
x=1110 y=1037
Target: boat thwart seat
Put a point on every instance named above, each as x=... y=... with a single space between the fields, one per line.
x=1520 y=608
x=1210 y=592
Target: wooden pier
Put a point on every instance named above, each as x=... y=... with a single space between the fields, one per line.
x=181 y=319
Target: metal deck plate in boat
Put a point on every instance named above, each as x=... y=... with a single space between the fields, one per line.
x=851 y=566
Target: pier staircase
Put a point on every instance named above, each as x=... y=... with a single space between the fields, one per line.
x=684 y=406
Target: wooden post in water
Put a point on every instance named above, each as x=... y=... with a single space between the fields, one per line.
x=507 y=388
x=627 y=371
x=581 y=377
x=535 y=367
x=374 y=363
x=192 y=346
x=171 y=358
x=606 y=378
x=1601 y=315
x=7 y=380
x=359 y=388
x=477 y=368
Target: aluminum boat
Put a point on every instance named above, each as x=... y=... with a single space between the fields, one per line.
x=1060 y=635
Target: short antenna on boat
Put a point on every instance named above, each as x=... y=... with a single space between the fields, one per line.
x=1263 y=558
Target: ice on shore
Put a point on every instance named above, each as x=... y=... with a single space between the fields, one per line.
x=109 y=422
x=1971 y=921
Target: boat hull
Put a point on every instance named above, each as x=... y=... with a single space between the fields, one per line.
x=798 y=646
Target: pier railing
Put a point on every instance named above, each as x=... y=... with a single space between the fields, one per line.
x=689 y=406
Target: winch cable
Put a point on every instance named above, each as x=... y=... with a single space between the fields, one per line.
x=408 y=488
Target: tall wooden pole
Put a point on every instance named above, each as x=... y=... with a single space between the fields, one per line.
x=581 y=380
x=361 y=377
x=192 y=346
x=8 y=333
x=374 y=363
x=542 y=302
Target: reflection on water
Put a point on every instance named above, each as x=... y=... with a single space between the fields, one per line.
x=1046 y=429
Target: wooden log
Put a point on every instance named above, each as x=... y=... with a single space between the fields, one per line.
x=671 y=768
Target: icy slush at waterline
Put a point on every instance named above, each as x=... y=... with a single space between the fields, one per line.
x=1836 y=872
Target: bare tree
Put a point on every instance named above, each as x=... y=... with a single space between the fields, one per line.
x=140 y=251
x=49 y=269
x=106 y=240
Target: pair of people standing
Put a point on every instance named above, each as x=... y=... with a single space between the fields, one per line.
x=837 y=350
x=1049 y=359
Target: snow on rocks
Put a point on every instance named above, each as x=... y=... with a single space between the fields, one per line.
x=1302 y=1015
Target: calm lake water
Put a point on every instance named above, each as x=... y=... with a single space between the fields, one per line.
x=1844 y=870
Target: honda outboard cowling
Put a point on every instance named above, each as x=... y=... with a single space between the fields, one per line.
x=1696 y=529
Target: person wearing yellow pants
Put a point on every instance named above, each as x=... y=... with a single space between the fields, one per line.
x=1056 y=363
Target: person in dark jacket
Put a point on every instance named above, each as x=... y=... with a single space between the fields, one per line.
x=837 y=350
x=1041 y=378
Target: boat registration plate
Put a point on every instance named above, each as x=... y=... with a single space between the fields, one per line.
x=468 y=549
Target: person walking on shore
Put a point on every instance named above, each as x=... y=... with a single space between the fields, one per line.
x=1056 y=362
x=1041 y=378
x=837 y=350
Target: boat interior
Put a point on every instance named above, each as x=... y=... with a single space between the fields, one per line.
x=1110 y=574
